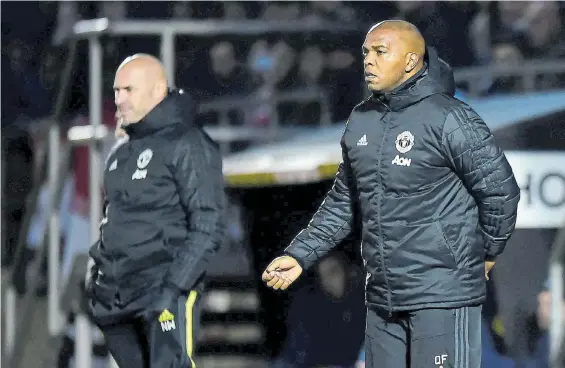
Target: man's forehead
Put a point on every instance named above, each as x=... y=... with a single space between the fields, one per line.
x=381 y=36
x=129 y=76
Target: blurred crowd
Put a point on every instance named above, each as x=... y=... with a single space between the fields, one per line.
x=465 y=33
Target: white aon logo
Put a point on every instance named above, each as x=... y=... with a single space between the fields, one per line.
x=401 y=161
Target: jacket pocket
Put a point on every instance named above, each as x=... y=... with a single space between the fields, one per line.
x=447 y=244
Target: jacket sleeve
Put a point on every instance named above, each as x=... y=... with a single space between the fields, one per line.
x=331 y=224
x=482 y=166
x=199 y=178
x=93 y=252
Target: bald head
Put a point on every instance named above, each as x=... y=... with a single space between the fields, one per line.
x=147 y=64
x=394 y=51
x=406 y=32
x=140 y=84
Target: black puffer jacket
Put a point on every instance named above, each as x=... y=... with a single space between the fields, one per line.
x=435 y=194
x=164 y=211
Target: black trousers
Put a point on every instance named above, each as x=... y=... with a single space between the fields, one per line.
x=439 y=338
x=165 y=340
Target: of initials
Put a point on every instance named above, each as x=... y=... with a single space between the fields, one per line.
x=439 y=360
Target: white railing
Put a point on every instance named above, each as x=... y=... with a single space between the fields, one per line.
x=527 y=72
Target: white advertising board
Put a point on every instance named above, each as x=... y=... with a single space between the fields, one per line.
x=541 y=177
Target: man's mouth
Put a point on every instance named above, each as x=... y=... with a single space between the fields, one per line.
x=369 y=76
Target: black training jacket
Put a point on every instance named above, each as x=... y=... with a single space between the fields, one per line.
x=164 y=208
x=435 y=194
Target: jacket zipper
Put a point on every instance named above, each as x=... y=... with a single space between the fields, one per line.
x=124 y=193
x=381 y=245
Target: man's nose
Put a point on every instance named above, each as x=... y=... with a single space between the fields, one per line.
x=119 y=98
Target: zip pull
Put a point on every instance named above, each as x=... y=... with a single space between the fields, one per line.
x=383 y=117
x=380 y=99
x=387 y=111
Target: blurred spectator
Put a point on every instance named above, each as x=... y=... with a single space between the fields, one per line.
x=50 y=72
x=234 y=10
x=541 y=353
x=535 y=27
x=340 y=60
x=50 y=68
x=545 y=39
x=285 y=58
x=331 y=11
x=67 y=16
x=228 y=78
x=279 y=11
x=326 y=322
x=309 y=71
x=260 y=61
x=113 y=10
x=506 y=54
x=479 y=33
x=225 y=77
x=311 y=66
x=270 y=67
x=509 y=21
x=343 y=79
x=31 y=99
x=480 y=42
x=434 y=20
x=180 y=10
x=517 y=279
x=17 y=169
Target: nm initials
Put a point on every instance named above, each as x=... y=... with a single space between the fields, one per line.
x=167 y=321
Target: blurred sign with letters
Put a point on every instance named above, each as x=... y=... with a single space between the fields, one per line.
x=541 y=177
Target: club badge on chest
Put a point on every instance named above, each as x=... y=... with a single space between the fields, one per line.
x=142 y=162
x=404 y=143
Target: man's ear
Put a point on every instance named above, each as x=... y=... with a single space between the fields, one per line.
x=411 y=61
x=161 y=88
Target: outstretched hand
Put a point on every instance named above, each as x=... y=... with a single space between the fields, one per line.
x=282 y=272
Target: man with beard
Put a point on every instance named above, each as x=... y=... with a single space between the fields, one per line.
x=163 y=221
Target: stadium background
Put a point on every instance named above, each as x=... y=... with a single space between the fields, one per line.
x=274 y=82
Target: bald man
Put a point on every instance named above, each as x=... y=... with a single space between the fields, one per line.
x=163 y=220
x=436 y=199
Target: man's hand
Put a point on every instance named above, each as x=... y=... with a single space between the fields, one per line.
x=544 y=309
x=119 y=132
x=488 y=266
x=282 y=272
